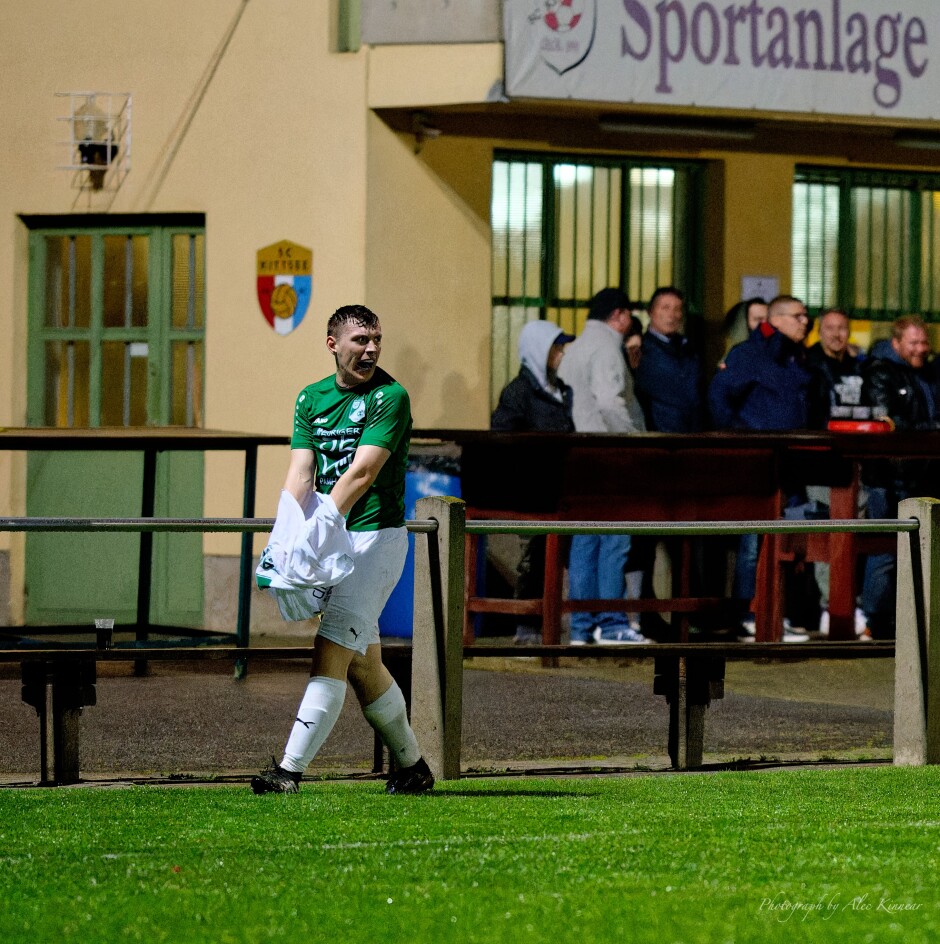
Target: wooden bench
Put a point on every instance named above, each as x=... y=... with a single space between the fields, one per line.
x=691 y=675
x=688 y=675
x=667 y=477
x=70 y=676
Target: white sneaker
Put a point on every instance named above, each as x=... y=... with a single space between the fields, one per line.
x=623 y=637
x=788 y=627
x=861 y=623
x=790 y=633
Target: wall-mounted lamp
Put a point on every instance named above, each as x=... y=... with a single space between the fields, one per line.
x=99 y=128
x=618 y=124
x=93 y=133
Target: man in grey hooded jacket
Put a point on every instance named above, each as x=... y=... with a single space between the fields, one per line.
x=597 y=371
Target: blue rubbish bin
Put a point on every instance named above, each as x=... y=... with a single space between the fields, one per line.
x=398 y=616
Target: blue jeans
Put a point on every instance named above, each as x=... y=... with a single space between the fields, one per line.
x=745 y=571
x=878 y=589
x=596 y=566
x=745 y=567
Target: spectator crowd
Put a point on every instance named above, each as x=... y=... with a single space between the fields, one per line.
x=639 y=367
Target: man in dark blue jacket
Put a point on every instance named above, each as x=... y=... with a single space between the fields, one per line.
x=669 y=385
x=669 y=379
x=763 y=385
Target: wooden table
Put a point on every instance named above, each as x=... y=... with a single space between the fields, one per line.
x=666 y=477
x=151 y=442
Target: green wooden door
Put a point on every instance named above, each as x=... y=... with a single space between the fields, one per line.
x=116 y=339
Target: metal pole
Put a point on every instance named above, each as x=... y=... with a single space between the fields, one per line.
x=243 y=626
x=145 y=567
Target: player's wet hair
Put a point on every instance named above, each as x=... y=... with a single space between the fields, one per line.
x=357 y=313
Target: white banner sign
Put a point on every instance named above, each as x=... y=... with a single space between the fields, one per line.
x=430 y=21
x=839 y=57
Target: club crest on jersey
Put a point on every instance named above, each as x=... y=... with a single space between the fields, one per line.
x=358 y=411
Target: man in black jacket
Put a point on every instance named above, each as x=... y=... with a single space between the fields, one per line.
x=835 y=392
x=836 y=388
x=536 y=400
x=898 y=387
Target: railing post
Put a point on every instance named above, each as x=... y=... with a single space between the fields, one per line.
x=437 y=654
x=243 y=624
x=551 y=595
x=73 y=688
x=917 y=648
x=145 y=564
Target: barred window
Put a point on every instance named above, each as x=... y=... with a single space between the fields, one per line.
x=867 y=241
x=565 y=227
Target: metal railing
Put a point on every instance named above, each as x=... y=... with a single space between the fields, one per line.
x=439 y=599
x=425 y=526
x=687 y=676
x=683 y=528
x=174 y=525
x=150 y=525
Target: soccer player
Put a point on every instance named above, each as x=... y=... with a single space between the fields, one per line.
x=350 y=440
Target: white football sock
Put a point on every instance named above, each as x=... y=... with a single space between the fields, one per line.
x=318 y=711
x=389 y=716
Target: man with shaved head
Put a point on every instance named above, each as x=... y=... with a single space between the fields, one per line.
x=763 y=384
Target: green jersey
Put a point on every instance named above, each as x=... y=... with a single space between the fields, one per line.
x=334 y=422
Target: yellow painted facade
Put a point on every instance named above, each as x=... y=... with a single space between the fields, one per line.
x=247 y=112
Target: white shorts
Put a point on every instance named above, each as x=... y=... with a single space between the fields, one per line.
x=351 y=616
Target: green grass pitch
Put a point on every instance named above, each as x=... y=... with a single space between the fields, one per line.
x=809 y=855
